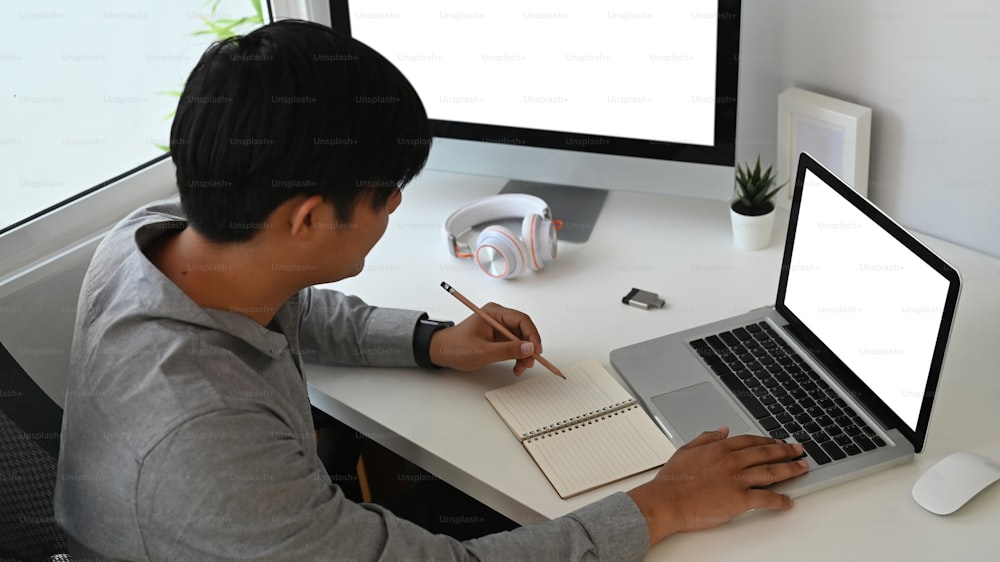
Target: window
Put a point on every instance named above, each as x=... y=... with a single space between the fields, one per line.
x=89 y=89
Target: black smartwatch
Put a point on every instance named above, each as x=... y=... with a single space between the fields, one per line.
x=422 y=340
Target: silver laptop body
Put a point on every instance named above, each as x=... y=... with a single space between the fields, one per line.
x=862 y=306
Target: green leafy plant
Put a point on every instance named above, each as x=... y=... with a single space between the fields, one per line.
x=753 y=190
x=224 y=28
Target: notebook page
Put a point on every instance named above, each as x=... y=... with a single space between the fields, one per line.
x=601 y=451
x=544 y=400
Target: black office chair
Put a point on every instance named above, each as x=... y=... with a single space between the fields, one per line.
x=30 y=423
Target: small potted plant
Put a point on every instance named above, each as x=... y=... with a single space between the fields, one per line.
x=752 y=212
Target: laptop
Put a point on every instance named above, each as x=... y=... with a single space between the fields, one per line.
x=847 y=360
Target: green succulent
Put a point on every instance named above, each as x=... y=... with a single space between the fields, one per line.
x=753 y=189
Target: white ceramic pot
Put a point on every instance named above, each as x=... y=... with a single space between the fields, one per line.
x=752 y=232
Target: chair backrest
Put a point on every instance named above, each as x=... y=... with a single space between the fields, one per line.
x=30 y=423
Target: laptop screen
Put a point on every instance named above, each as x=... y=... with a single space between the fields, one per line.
x=865 y=289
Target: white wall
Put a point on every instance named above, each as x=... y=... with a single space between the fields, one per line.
x=930 y=71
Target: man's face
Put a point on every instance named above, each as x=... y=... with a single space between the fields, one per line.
x=356 y=239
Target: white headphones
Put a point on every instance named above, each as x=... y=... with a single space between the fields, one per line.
x=500 y=253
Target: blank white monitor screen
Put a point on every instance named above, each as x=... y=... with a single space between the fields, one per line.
x=642 y=69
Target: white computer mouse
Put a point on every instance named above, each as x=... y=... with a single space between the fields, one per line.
x=953 y=481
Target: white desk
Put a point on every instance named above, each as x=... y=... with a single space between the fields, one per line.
x=682 y=249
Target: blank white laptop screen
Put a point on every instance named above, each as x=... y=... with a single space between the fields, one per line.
x=871 y=300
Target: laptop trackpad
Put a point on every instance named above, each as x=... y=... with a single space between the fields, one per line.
x=699 y=408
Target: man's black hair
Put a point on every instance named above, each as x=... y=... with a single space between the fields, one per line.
x=292 y=108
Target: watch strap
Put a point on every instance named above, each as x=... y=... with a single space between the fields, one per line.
x=422 y=335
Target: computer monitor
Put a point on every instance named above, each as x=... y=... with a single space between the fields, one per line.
x=637 y=95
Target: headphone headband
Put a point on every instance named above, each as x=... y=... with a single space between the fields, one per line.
x=494 y=207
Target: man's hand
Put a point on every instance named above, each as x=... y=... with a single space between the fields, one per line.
x=712 y=479
x=473 y=343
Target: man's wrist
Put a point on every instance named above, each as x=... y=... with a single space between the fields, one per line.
x=659 y=522
x=422 y=335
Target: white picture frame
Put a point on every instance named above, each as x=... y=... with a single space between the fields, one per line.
x=835 y=132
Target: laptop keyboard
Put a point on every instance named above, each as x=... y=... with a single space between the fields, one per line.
x=785 y=394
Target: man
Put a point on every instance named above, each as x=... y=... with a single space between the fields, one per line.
x=187 y=432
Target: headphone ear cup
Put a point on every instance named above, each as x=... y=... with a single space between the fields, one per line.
x=539 y=238
x=500 y=253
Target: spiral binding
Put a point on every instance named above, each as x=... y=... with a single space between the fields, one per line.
x=583 y=419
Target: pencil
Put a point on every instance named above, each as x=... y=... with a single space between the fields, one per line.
x=499 y=327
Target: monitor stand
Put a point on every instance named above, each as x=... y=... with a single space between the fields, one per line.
x=576 y=207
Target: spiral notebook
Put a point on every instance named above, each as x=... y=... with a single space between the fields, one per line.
x=583 y=432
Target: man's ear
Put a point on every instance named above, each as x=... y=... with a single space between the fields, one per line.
x=303 y=215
